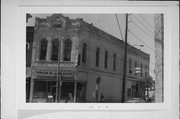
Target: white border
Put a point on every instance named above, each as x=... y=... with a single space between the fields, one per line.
x=21 y=69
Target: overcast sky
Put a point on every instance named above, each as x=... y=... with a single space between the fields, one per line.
x=140 y=26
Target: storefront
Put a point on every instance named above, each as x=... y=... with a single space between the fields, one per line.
x=45 y=86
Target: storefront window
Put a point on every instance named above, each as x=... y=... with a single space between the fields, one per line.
x=43 y=89
x=40 y=89
x=80 y=92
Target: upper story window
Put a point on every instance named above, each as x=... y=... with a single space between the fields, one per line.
x=141 y=70
x=97 y=56
x=67 y=50
x=135 y=67
x=55 y=50
x=106 y=59
x=84 y=53
x=130 y=62
x=43 y=49
x=146 y=70
x=114 y=62
x=79 y=58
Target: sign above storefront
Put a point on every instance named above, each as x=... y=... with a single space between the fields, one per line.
x=52 y=73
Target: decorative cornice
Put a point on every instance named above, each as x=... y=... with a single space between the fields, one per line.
x=82 y=25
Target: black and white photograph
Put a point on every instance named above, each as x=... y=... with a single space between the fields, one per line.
x=84 y=60
x=94 y=58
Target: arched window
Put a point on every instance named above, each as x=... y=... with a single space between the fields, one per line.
x=84 y=53
x=97 y=56
x=135 y=67
x=106 y=60
x=130 y=69
x=43 y=49
x=141 y=70
x=55 y=50
x=114 y=62
x=67 y=50
x=146 y=70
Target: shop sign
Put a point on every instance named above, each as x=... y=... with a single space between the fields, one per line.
x=67 y=74
x=50 y=73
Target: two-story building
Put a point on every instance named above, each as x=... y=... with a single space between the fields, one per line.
x=89 y=62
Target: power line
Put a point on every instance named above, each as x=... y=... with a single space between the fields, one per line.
x=143 y=24
x=146 y=21
x=119 y=26
x=143 y=30
x=141 y=41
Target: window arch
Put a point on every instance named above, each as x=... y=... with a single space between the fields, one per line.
x=55 y=50
x=84 y=53
x=67 y=50
x=97 y=56
x=43 y=49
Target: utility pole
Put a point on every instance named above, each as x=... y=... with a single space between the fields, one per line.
x=125 y=60
x=59 y=76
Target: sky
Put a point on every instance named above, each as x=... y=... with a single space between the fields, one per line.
x=140 y=29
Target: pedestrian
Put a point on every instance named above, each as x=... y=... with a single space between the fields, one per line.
x=67 y=98
x=101 y=98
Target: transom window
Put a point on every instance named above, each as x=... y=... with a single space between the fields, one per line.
x=43 y=49
x=67 y=50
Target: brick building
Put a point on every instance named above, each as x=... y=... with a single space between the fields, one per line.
x=89 y=62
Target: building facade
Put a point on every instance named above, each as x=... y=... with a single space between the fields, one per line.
x=86 y=61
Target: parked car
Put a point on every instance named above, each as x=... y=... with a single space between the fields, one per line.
x=135 y=100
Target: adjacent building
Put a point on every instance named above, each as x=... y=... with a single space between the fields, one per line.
x=159 y=57
x=29 y=42
x=86 y=61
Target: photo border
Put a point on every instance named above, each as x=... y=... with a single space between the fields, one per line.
x=21 y=69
